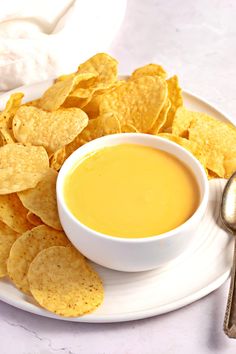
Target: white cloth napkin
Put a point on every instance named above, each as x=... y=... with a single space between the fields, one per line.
x=41 y=39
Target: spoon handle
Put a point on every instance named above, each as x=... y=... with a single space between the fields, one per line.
x=230 y=315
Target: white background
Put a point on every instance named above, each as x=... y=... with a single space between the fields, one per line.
x=196 y=40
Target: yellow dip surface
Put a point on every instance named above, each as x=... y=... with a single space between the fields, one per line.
x=131 y=191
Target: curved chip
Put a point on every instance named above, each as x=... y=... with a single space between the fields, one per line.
x=230 y=164
x=21 y=167
x=160 y=122
x=96 y=128
x=217 y=141
x=62 y=282
x=138 y=102
x=33 y=219
x=65 y=77
x=82 y=96
x=92 y=107
x=25 y=249
x=188 y=145
x=56 y=94
x=76 y=101
x=13 y=213
x=7 y=238
x=51 y=130
x=41 y=200
x=149 y=70
x=103 y=65
x=58 y=158
x=6 y=117
x=176 y=100
x=182 y=121
x=185 y=143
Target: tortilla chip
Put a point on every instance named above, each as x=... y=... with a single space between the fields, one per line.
x=161 y=120
x=51 y=130
x=33 y=219
x=13 y=213
x=21 y=167
x=41 y=200
x=62 y=282
x=137 y=102
x=103 y=65
x=96 y=128
x=7 y=238
x=13 y=104
x=149 y=70
x=218 y=142
x=56 y=94
x=26 y=248
x=58 y=159
x=182 y=121
x=176 y=100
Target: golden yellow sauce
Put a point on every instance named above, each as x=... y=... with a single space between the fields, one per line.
x=131 y=191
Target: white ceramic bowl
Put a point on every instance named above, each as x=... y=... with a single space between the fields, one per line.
x=138 y=254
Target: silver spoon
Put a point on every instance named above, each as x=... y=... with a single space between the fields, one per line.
x=228 y=216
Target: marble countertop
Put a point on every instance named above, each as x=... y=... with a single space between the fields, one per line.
x=196 y=40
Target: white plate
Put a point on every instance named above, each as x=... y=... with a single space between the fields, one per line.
x=130 y=296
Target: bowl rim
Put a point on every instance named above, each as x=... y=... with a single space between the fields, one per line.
x=82 y=151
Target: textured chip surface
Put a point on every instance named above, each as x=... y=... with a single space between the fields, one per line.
x=105 y=124
x=215 y=140
x=25 y=249
x=52 y=130
x=103 y=65
x=138 y=102
x=62 y=282
x=56 y=94
x=6 y=117
x=13 y=213
x=21 y=167
x=149 y=70
x=7 y=238
x=161 y=119
x=41 y=200
x=176 y=100
x=58 y=158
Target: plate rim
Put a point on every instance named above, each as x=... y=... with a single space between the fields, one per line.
x=128 y=316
